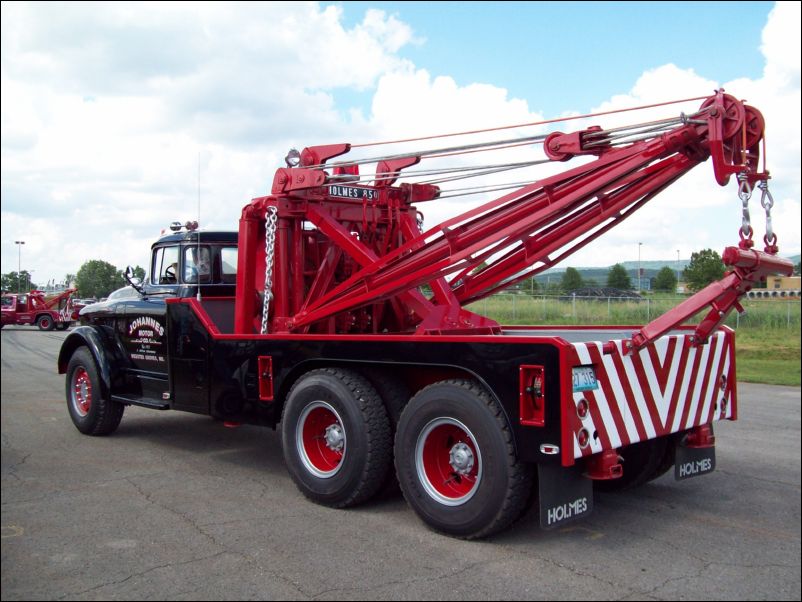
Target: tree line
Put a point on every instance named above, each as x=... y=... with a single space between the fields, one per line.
x=95 y=279
x=704 y=267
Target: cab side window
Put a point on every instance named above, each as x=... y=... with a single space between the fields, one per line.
x=228 y=256
x=165 y=266
x=197 y=263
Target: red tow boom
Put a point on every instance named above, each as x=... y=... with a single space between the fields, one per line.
x=346 y=253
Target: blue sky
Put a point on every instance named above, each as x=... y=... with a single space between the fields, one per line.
x=109 y=109
x=560 y=55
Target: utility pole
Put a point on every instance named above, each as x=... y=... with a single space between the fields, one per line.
x=640 y=244
x=19 y=244
x=678 y=278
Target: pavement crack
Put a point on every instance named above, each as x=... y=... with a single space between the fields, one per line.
x=72 y=595
x=327 y=594
x=185 y=517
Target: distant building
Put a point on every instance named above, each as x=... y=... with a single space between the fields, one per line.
x=778 y=287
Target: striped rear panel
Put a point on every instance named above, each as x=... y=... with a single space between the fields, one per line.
x=667 y=387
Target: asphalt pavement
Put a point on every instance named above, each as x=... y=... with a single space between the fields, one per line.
x=174 y=506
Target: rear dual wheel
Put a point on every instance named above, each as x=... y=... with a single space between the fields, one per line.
x=456 y=462
x=336 y=437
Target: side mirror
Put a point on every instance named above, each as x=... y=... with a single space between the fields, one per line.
x=132 y=280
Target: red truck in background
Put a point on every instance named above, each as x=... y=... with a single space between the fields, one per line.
x=36 y=308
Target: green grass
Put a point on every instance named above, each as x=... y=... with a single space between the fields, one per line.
x=767 y=335
x=768 y=355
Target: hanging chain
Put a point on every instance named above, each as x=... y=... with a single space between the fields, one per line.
x=745 y=193
x=767 y=202
x=271 y=220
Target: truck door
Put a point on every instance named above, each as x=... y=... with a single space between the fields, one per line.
x=144 y=340
x=142 y=332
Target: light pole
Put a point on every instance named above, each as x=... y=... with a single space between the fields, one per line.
x=19 y=244
x=640 y=244
x=678 y=266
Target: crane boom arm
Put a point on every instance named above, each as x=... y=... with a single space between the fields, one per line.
x=359 y=268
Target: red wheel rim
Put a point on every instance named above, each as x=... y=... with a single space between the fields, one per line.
x=81 y=391
x=320 y=439
x=45 y=323
x=448 y=461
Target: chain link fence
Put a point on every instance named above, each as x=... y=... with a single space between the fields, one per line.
x=511 y=308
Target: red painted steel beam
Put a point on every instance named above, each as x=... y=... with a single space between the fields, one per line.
x=458 y=246
x=749 y=268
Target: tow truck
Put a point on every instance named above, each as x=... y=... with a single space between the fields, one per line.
x=35 y=307
x=347 y=327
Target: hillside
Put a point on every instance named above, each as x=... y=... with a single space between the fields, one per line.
x=599 y=275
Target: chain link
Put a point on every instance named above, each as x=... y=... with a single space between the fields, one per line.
x=745 y=193
x=767 y=202
x=271 y=220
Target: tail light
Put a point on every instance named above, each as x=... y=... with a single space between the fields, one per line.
x=583 y=438
x=582 y=408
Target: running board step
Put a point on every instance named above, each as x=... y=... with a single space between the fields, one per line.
x=145 y=402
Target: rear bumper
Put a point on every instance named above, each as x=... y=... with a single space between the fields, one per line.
x=665 y=388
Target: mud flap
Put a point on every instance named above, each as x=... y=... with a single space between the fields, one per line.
x=694 y=462
x=565 y=495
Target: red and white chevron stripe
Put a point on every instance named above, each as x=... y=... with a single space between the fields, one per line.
x=665 y=388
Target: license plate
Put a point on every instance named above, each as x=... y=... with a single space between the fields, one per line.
x=585 y=378
x=694 y=462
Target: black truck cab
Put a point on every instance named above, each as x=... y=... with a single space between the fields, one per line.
x=127 y=334
x=181 y=262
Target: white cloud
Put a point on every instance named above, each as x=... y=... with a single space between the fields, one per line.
x=106 y=107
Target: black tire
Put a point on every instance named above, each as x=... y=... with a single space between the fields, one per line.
x=666 y=462
x=456 y=462
x=62 y=325
x=395 y=394
x=336 y=437
x=90 y=411
x=45 y=322
x=642 y=462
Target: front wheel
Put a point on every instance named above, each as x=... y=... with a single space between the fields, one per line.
x=336 y=437
x=90 y=411
x=456 y=462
